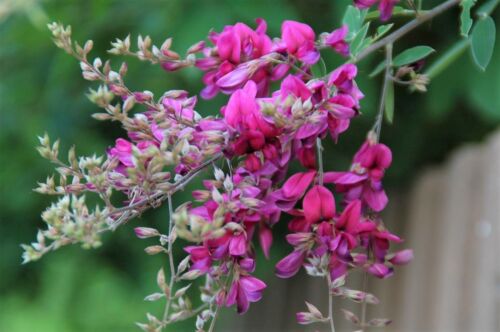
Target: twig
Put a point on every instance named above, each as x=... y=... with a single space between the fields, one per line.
x=170 y=257
x=390 y=39
x=330 y=302
x=363 y=304
x=388 y=64
x=319 y=151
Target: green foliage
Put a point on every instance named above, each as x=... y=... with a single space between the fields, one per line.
x=41 y=90
x=465 y=19
x=412 y=55
x=389 y=102
x=359 y=42
x=483 y=41
x=354 y=19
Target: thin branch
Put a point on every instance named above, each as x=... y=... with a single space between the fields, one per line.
x=175 y=187
x=170 y=258
x=330 y=302
x=390 y=39
x=363 y=304
x=319 y=151
x=387 y=78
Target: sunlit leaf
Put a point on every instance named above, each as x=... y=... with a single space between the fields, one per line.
x=483 y=41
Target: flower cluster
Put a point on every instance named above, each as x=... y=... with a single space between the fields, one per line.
x=250 y=147
x=326 y=241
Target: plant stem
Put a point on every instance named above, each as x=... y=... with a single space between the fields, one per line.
x=387 y=78
x=212 y=323
x=424 y=17
x=175 y=187
x=330 y=302
x=363 y=304
x=319 y=150
x=170 y=258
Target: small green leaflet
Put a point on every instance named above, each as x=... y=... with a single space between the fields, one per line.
x=465 y=19
x=411 y=55
x=353 y=18
x=383 y=29
x=483 y=41
x=380 y=67
x=389 y=102
x=357 y=41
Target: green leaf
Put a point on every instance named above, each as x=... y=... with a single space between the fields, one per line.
x=380 y=67
x=383 y=29
x=358 y=39
x=465 y=19
x=389 y=102
x=483 y=41
x=353 y=18
x=411 y=55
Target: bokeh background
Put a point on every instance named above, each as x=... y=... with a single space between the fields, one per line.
x=41 y=89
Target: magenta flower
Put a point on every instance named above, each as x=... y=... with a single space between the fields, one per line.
x=299 y=39
x=293 y=190
x=401 y=257
x=318 y=204
x=242 y=113
x=290 y=265
x=244 y=289
x=364 y=181
x=336 y=40
x=236 y=58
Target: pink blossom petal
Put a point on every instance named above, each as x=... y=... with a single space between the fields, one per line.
x=290 y=265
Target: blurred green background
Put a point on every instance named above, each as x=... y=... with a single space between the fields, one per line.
x=41 y=89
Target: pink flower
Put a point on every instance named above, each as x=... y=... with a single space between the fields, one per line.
x=380 y=270
x=293 y=85
x=290 y=265
x=201 y=258
x=242 y=112
x=318 y=204
x=402 y=257
x=238 y=245
x=336 y=40
x=244 y=290
x=343 y=79
x=293 y=190
x=122 y=151
x=236 y=58
x=364 y=181
x=265 y=239
x=299 y=39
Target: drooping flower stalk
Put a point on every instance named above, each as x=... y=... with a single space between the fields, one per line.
x=259 y=133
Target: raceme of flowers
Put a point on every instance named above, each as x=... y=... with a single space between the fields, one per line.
x=336 y=225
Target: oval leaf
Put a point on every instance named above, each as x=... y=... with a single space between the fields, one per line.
x=483 y=41
x=412 y=55
x=389 y=102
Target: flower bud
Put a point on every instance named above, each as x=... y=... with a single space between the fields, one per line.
x=145 y=232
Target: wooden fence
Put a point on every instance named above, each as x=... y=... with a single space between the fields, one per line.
x=451 y=218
